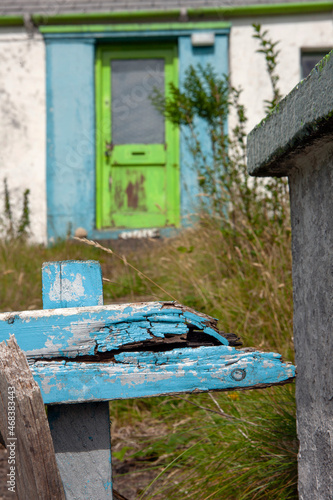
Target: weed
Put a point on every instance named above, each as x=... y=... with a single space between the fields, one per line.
x=247 y=284
x=226 y=191
x=268 y=48
x=10 y=227
x=229 y=446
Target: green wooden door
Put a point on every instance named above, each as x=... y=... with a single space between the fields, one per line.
x=137 y=149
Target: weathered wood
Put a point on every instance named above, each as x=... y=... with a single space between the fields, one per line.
x=86 y=331
x=132 y=350
x=90 y=349
x=296 y=139
x=24 y=427
x=72 y=283
x=80 y=432
x=81 y=437
x=102 y=353
x=141 y=374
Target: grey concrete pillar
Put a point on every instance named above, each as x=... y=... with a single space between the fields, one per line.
x=296 y=140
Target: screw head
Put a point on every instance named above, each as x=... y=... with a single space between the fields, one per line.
x=238 y=374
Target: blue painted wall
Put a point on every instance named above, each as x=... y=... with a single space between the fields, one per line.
x=70 y=136
x=71 y=128
x=217 y=56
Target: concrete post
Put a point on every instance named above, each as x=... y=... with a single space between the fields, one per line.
x=296 y=140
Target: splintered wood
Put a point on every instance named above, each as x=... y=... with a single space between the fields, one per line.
x=135 y=350
x=25 y=430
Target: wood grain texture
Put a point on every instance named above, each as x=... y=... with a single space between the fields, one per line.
x=86 y=331
x=142 y=374
x=36 y=472
x=134 y=350
x=81 y=437
x=80 y=432
x=72 y=283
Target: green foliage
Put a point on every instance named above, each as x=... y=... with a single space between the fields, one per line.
x=204 y=95
x=235 y=265
x=246 y=282
x=268 y=48
x=227 y=192
x=24 y=222
x=8 y=208
x=240 y=448
x=9 y=226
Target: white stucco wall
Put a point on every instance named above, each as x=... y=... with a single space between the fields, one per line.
x=22 y=95
x=23 y=124
x=248 y=68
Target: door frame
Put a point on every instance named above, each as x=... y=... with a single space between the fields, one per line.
x=169 y=51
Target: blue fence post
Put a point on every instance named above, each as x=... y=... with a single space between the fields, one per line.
x=80 y=432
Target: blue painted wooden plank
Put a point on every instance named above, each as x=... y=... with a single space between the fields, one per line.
x=162 y=329
x=143 y=374
x=72 y=284
x=75 y=332
x=80 y=432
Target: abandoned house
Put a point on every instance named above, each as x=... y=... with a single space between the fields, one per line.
x=77 y=126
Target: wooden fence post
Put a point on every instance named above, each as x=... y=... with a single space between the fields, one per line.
x=80 y=432
x=296 y=140
x=33 y=471
x=83 y=356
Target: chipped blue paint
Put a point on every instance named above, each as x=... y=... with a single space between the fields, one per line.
x=160 y=330
x=75 y=332
x=78 y=283
x=72 y=284
x=123 y=333
x=193 y=319
x=175 y=318
x=142 y=374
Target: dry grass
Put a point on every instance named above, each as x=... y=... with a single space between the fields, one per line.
x=243 y=278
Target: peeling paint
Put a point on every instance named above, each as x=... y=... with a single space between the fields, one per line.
x=72 y=283
x=64 y=290
x=79 y=331
x=142 y=374
x=130 y=350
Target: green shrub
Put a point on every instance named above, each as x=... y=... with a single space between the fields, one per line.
x=204 y=103
x=235 y=265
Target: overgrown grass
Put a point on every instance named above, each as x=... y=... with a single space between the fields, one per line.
x=234 y=265
x=245 y=280
x=250 y=456
x=240 y=277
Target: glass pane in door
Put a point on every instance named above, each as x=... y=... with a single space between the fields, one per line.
x=134 y=119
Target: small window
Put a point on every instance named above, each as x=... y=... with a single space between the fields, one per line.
x=309 y=58
x=132 y=82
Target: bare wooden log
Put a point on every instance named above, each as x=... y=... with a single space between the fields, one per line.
x=33 y=471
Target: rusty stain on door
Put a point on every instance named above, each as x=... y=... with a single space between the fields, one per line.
x=136 y=194
x=140 y=186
